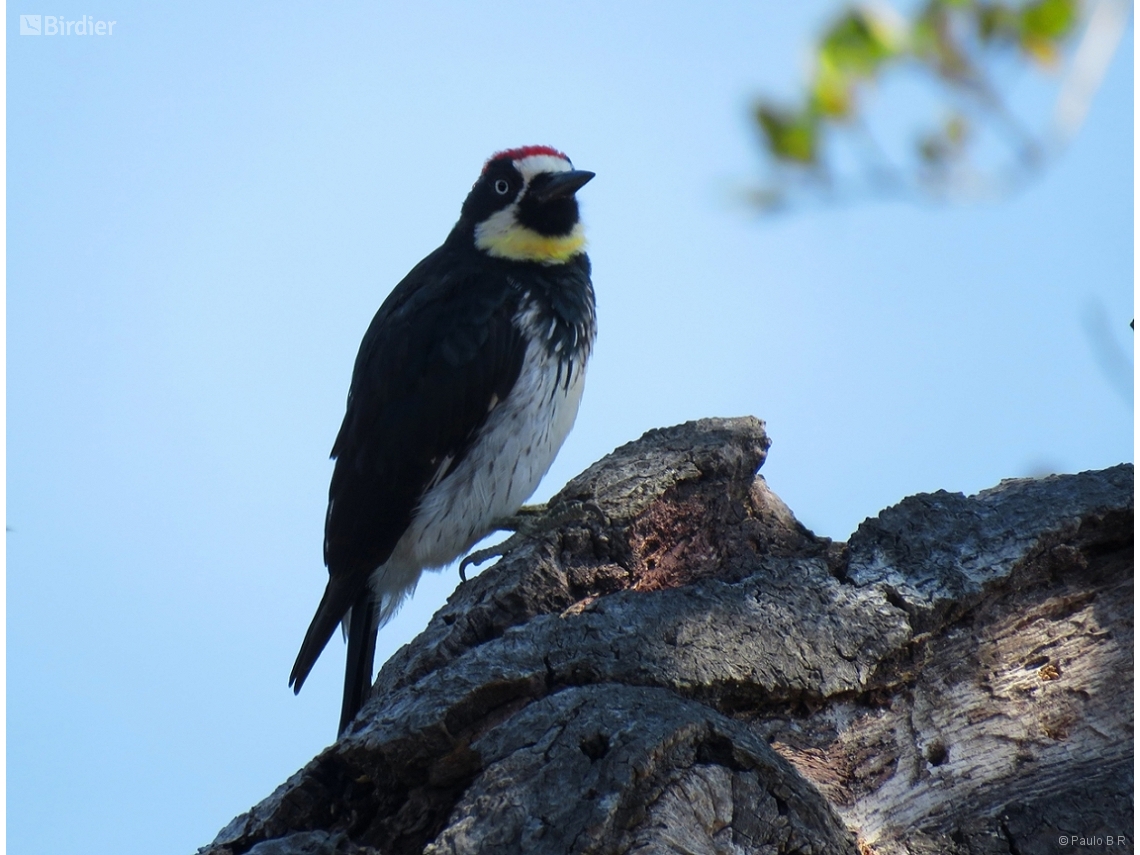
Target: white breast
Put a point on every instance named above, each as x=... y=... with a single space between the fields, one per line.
x=512 y=453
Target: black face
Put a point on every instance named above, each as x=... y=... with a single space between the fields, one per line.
x=500 y=185
x=553 y=217
x=497 y=187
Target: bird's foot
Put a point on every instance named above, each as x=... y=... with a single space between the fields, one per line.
x=523 y=520
x=528 y=521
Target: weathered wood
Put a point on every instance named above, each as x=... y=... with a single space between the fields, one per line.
x=692 y=671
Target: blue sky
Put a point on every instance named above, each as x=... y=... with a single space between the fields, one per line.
x=206 y=208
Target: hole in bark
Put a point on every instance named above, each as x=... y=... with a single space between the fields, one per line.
x=717 y=750
x=937 y=754
x=595 y=747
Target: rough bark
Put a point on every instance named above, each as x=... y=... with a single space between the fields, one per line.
x=683 y=668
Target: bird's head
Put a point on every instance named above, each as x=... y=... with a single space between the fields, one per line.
x=523 y=207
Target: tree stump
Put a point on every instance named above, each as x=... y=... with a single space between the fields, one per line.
x=685 y=668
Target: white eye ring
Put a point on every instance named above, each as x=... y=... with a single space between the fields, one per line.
x=502 y=186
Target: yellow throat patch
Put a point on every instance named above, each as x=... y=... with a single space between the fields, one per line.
x=518 y=243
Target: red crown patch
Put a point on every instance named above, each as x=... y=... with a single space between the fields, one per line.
x=525 y=151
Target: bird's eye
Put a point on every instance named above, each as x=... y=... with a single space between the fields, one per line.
x=502 y=186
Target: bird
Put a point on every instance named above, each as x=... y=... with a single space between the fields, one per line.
x=467 y=383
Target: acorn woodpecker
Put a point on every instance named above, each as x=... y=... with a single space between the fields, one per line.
x=466 y=384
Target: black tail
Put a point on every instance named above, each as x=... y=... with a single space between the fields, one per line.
x=334 y=604
x=362 y=628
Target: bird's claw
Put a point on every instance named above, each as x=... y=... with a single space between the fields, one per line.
x=478 y=557
x=528 y=521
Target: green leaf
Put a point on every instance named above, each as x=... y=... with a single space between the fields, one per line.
x=832 y=92
x=1044 y=25
x=858 y=42
x=791 y=136
x=1050 y=20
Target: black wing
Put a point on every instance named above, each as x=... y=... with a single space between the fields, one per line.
x=439 y=351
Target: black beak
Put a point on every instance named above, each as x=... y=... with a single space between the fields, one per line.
x=558 y=185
